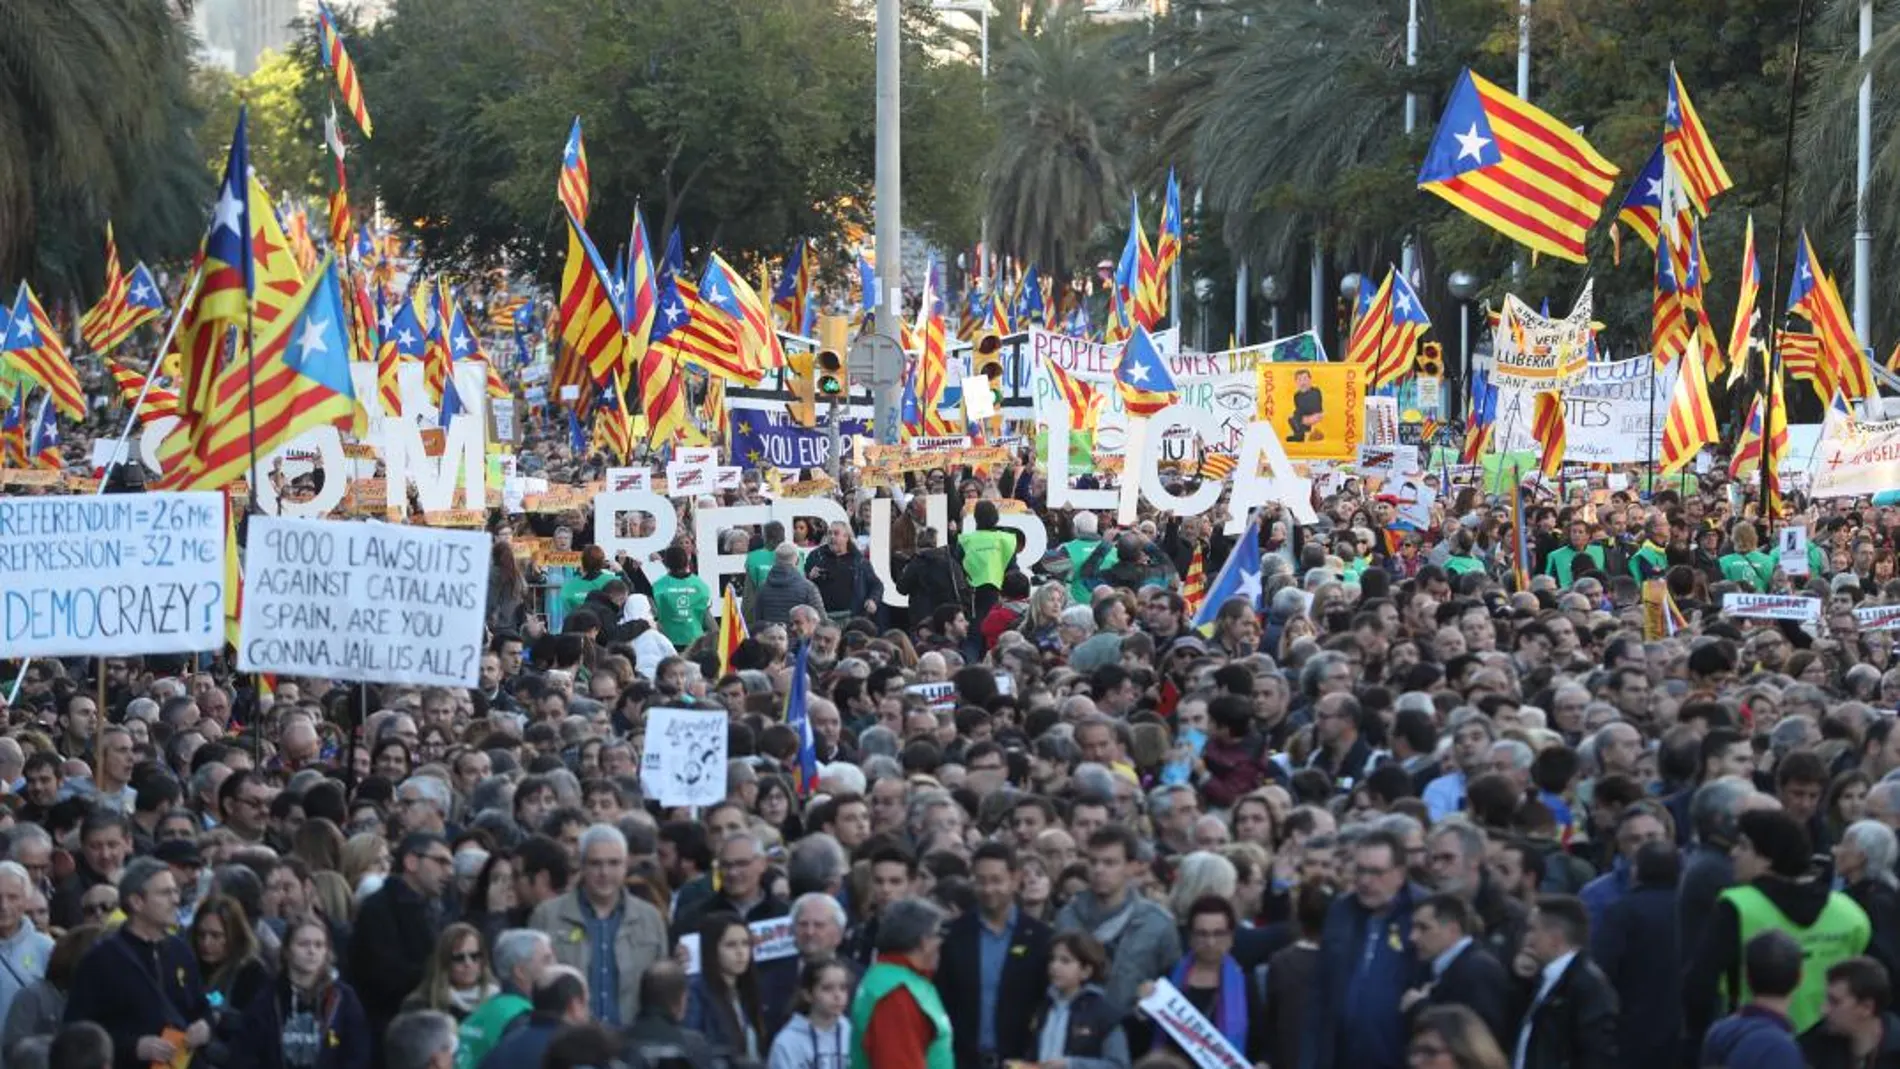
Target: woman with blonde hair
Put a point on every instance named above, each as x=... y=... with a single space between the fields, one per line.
x=364 y=854
x=456 y=977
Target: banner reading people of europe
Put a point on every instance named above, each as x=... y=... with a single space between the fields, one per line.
x=1317 y=410
x=1221 y=384
x=364 y=602
x=109 y=575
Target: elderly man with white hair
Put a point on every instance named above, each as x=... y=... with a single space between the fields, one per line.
x=23 y=948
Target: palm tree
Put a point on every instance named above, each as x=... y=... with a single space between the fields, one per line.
x=1059 y=94
x=94 y=96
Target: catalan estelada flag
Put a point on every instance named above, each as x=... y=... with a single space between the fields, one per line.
x=1168 y=238
x=299 y=379
x=732 y=630
x=932 y=370
x=1547 y=427
x=1371 y=320
x=13 y=430
x=32 y=346
x=45 y=449
x=1669 y=318
x=798 y=717
x=1641 y=209
x=574 y=186
x=337 y=58
x=590 y=318
x=1687 y=143
x=1142 y=376
x=791 y=297
x=1814 y=298
x=725 y=292
x=1515 y=168
x=1690 y=423
x=1398 y=343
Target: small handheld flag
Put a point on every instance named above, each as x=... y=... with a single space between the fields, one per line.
x=1142 y=376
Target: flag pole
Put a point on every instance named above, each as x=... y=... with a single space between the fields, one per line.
x=1771 y=354
x=131 y=420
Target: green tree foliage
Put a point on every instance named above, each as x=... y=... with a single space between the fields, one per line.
x=747 y=123
x=94 y=96
x=285 y=124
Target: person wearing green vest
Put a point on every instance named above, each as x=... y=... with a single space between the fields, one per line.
x=986 y=551
x=1461 y=561
x=594 y=574
x=1563 y=561
x=521 y=955
x=758 y=562
x=1079 y=549
x=1775 y=890
x=897 y=1017
x=1651 y=559
x=1747 y=564
x=681 y=599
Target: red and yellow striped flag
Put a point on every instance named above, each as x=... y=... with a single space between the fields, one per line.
x=337 y=58
x=732 y=630
x=1547 y=427
x=1687 y=144
x=1194 y=586
x=1691 y=422
x=159 y=402
x=93 y=326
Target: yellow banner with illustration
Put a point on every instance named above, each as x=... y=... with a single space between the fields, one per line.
x=1317 y=409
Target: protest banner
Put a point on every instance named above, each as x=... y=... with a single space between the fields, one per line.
x=762 y=434
x=121 y=574
x=1220 y=384
x=1855 y=458
x=1317 y=410
x=685 y=762
x=937 y=696
x=1534 y=352
x=1190 y=1028
x=1771 y=607
x=364 y=602
x=1607 y=412
x=771 y=941
x=1878 y=617
x=1793 y=545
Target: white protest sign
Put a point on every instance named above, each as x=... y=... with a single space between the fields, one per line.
x=1387 y=461
x=503 y=411
x=1771 y=607
x=771 y=941
x=1878 y=617
x=365 y=602
x=685 y=756
x=1221 y=385
x=696 y=454
x=570 y=393
x=978 y=401
x=640 y=479
x=1415 y=500
x=1607 y=414
x=113 y=574
x=728 y=477
x=1190 y=1028
x=1534 y=352
x=686 y=480
x=1794 y=550
x=1382 y=421
x=938 y=696
x=109 y=452
x=1855 y=458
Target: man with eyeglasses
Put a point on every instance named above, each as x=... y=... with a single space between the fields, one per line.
x=105 y=841
x=396 y=928
x=1365 y=964
x=117 y=979
x=742 y=890
x=244 y=806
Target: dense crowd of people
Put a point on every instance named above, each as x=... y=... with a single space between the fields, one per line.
x=1406 y=808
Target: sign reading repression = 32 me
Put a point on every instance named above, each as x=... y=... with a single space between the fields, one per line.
x=366 y=602
x=111 y=575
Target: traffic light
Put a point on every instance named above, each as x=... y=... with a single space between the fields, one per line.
x=987 y=360
x=799 y=379
x=1431 y=360
x=834 y=339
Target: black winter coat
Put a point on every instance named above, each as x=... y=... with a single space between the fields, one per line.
x=395 y=933
x=344 y=1029
x=1637 y=948
x=1574 y=1027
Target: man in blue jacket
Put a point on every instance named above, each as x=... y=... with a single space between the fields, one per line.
x=1759 y=1035
x=1366 y=964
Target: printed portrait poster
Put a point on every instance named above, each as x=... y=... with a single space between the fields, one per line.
x=1318 y=409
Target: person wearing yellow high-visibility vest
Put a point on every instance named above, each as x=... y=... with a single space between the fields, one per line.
x=1776 y=889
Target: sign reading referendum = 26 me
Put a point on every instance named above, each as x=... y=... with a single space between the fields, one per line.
x=366 y=602
x=111 y=575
